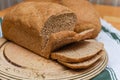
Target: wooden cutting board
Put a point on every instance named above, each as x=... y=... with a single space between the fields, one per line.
x=19 y=63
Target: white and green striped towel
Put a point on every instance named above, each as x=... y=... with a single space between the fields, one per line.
x=111 y=39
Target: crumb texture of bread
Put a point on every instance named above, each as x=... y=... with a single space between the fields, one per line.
x=30 y=24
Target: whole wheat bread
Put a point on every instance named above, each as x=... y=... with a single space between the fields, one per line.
x=34 y=24
x=30 y=24
x=84 y=64
x=77 y=52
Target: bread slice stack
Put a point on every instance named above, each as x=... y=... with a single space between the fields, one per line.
x=80 y=54
x=47 y=29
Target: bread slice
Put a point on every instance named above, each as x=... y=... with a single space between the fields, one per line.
x=84 y=64
x=87 y=16
x=77 y=52
x=2 y=41
x=62 y=38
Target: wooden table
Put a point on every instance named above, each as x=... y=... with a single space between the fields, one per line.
x=109 y=13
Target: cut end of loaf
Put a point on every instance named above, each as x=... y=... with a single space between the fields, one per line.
x=62 y=22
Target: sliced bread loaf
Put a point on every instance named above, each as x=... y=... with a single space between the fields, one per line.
x=30 y=24
x=84 y=64
x=34 y=24
x=77 y=52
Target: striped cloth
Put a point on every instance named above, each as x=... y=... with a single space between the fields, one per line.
x=111 y=39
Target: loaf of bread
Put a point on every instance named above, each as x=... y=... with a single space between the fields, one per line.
x=42 y=27
x=87 y=16
x=30 y=24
